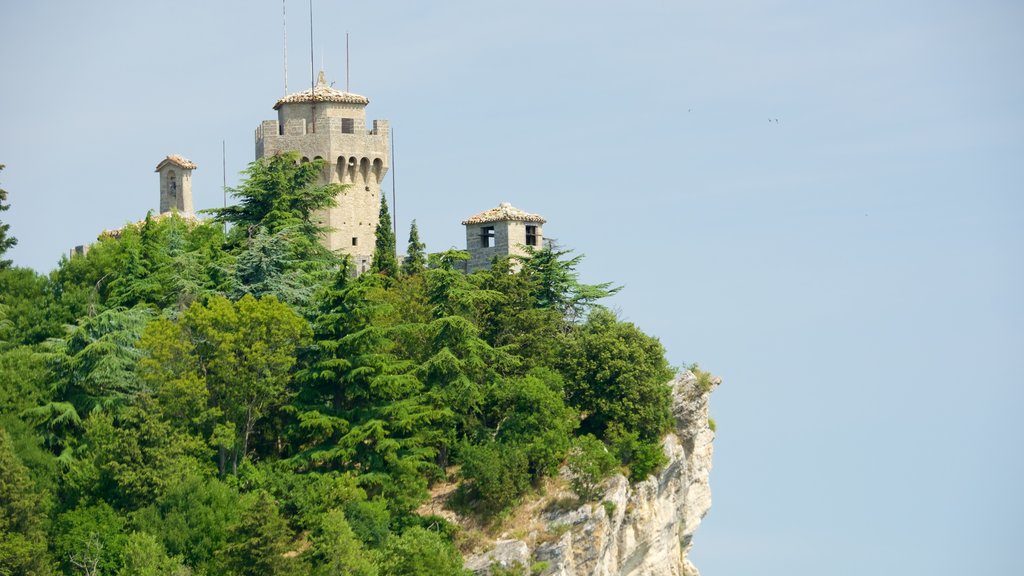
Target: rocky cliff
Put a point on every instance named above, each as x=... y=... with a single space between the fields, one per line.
x=641 y=530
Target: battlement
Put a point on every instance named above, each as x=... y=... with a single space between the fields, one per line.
x=343 y=131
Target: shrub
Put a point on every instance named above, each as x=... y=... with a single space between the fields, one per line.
x=496 y=476
x=590 y=463
x=642 y=457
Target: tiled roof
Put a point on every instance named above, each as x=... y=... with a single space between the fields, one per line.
x=502 y=213
x=189 y=218
x=179 y=161
x=322 y=93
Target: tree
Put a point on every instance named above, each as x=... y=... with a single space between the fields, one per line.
x=589 y=463
x=531 y=414
x=89 y=539
x=144 y=555
x=267 y=264
x=385 y=260
x=193 y=516
x=557 y=283
x=420 y=552
x=496 y=476
x=336 y=551
x=22 y=532
x=415 y=257
x=280 y=192
x=615 y=373
x=259 y=540
x=246 y=349
x=6 y=243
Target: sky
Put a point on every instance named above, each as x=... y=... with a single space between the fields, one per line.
x=820 y=202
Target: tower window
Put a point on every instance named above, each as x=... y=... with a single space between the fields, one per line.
x=531 y=235
x=355 y=241
x=487 y=236
x=348 y=126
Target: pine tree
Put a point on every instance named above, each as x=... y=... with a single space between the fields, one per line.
x=415 y=259
x=384 y=260
x=6 y=242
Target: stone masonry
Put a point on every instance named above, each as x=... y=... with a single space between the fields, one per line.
x=175 y=184
x=329 y=124
x=502 y=231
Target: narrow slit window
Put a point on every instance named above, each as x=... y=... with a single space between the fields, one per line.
x=487 y=236
x=531 y=235
x=355 y=241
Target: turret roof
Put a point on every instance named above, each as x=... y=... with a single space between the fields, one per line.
x=322 y=93
x=179 y=161
x=504 y=212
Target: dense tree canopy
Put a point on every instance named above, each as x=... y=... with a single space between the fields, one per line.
x=184 y=400
x=6 y=242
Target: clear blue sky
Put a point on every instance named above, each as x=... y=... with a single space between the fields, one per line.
x=853 y=271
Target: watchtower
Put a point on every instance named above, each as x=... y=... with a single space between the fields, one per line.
x=502 y=231
x=329 y=124
x=175 y=184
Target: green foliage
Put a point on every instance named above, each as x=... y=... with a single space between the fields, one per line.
x=6 y=242
x=415 y=256
x=22 y=516
x=609 y=507
x=704 y=379
x=557 y=285
x=495 y=477
x=420 y=552
x=192 y=516
x=643 y=457
x=144 y=555
x=336 y=551
x=30 y=309
x=257 y=543
x=531 y=416
x=385 y=259
x=589 y=464
x=241 y=403
x=128 y=458
x=89 y=539
x=616 y=374
x=279 y=192
x=712 y=425
x=246 y=350
x=267 y=265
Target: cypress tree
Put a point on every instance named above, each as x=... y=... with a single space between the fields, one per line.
x=415 y=259
x=6 y=242
x=384 y=260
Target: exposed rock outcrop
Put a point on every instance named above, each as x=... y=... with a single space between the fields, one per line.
x=641 y=530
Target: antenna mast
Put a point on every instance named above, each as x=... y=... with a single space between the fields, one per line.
x=394 y=198
x=312 y=65
x=224 y=173
x=312 y=70
x=346 y=63
x=284 y=25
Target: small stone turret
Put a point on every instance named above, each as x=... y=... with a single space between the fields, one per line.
x=502 y=231
x=330 y=124
x=175 y=184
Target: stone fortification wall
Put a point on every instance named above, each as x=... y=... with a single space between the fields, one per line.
x=355 y=157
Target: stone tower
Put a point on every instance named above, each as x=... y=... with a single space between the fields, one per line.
x=175 y=184
x=502 y=231
x=331 y=124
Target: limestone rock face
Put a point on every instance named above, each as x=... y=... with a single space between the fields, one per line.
x=641 y=530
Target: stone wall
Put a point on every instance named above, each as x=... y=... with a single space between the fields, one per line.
x=359 y=159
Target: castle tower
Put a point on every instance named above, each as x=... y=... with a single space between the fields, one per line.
x=175 y=184
x=331 y=124
x=502 y=231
